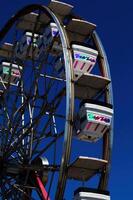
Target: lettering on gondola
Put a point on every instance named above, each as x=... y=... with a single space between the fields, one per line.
x=96 y=117
x=13 y=72
x=84 y=57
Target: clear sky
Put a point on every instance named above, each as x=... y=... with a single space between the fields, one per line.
x=115 y=27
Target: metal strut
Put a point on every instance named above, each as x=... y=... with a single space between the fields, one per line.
x=41 y=187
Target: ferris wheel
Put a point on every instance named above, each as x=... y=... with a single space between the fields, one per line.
x=56 y=106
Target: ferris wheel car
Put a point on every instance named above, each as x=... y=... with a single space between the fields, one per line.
x=88 y=194
x=84 y=59
x=95 y=120
x=50 y=32
x=49 y=40
x=27 y=40
x=10 y=72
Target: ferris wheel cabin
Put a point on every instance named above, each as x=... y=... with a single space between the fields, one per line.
x=10 y=73
x=28 y=40
x=94 y=120
x=84 y=59
x=49 y=41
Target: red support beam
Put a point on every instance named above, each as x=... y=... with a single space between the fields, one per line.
x=42 y=188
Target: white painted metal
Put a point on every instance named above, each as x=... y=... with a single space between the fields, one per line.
x=91 y=196
x=43 y=161
x=83 y=168
x=90 y=85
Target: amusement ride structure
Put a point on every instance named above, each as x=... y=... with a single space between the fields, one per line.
x=56 y=107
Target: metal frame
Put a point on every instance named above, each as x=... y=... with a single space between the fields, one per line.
x=108 y=139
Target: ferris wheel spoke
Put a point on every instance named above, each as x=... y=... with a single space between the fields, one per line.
x=54 y=162
x=9 y=192
x=48 y=146
x=13 y=105
x=51 y=116
x=19 y=139
x=18 y=120
x=21 y=110
x=11 y=126
x=43 y=132
x=40 y=138
x=18 y=159
x=58 y=98
x=43 y=135
x=5 y=181
x=26 y=102
x=7 y=119
x=23 y=192
x=5 y=128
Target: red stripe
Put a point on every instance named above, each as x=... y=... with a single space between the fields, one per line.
x=104 y=129
x=75 y=64
x=82 y=66
x=89 y=68
x=96 y=127
x=88 y=125
x=42 y=188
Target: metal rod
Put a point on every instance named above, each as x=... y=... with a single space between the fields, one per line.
x=42 y=188
x=108 y=138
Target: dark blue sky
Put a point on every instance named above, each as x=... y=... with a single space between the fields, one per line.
x=114 y=25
